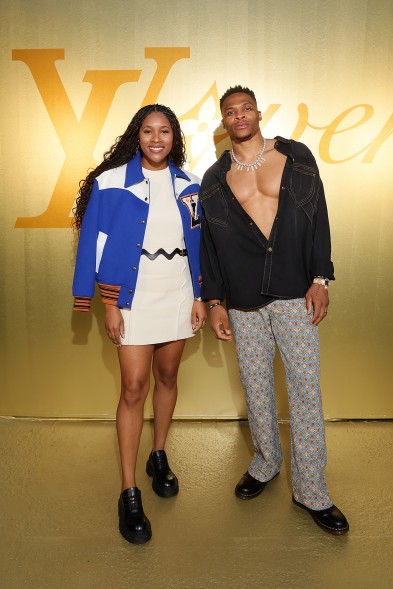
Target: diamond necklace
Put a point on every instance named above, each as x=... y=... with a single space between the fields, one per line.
x=254 y=165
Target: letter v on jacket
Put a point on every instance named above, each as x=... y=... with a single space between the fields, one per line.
x=113 y=230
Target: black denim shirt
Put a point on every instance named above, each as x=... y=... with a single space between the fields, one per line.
x=238 y=262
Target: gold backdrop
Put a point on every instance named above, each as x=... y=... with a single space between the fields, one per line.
x=74 y=73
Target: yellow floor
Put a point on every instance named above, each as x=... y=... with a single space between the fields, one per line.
x=59 y=489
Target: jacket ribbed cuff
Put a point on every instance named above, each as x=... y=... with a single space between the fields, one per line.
x=82 y=304
x=109 y=293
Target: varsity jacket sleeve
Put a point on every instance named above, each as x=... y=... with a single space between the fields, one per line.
x=321 y=264
x=85 y=267
x=212 y=283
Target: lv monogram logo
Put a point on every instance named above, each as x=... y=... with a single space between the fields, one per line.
x=79 y=138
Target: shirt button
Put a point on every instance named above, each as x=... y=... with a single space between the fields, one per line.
x=128 y=304
x=270 y=249
x=282 y=187
x=143 y=222
x=138 y=245
x=251 y=223
x=130 y=291
x=146 y=198
x=134 y=268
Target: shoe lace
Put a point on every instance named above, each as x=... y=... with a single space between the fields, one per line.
x=132 y=502
x=160 y=461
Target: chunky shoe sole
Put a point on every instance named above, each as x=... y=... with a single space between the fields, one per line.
x=328 y=529
x=257 y=493
x=165 y=492
x=134 y=537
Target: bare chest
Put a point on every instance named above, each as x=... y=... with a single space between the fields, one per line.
x=258 y=191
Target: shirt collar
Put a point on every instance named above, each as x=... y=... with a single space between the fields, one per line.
x=134 y=174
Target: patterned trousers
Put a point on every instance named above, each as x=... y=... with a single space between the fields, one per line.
x=284 y=323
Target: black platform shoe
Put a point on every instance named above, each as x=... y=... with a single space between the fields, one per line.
x=248 y=487
x=331 y=520
x=165 y=483
x=133 y=524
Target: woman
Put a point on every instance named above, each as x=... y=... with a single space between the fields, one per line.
x=139 y=219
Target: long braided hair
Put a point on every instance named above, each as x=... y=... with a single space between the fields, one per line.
x=124 y=148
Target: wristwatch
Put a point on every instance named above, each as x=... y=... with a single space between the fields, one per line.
x=322 y=281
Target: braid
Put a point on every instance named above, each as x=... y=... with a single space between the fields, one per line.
x=126 y=147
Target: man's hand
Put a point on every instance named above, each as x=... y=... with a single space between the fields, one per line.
x=198 y=315
x=219 y=322
x=317 y=298
x=114 y=324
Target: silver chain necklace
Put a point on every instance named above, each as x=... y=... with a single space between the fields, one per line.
x=254 y=165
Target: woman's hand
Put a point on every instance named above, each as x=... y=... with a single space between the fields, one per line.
x=198 y=316
x=114 y=324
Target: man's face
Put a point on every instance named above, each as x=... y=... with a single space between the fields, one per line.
x=240 y=116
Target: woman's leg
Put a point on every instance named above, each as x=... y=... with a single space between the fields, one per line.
x=166 y=360
x=135 y=362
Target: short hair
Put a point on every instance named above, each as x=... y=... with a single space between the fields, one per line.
x=236 y=90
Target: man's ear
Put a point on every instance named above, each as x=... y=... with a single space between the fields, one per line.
x=260 y=115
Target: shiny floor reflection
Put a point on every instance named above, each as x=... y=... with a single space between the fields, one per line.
x=60 y=484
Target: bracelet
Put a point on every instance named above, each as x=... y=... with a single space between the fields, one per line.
x=198 y=299
x=322 y=281
x=214 y=305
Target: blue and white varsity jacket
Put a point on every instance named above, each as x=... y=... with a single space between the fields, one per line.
x=113 y=230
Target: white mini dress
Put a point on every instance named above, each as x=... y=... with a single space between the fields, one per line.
x=161 y=309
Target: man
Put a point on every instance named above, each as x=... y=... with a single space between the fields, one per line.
x=266 y=250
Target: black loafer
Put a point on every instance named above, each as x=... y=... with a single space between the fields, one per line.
x=165 y=482
x=331 y=520
x=133 y=524
x=248 y=487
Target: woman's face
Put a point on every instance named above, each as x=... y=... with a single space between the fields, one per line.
x=155 y=140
